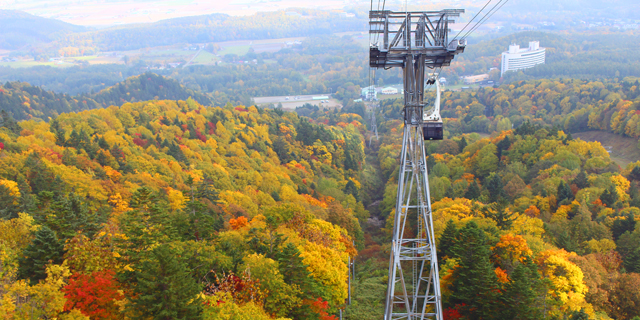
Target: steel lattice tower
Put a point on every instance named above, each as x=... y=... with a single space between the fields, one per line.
x=413 y=41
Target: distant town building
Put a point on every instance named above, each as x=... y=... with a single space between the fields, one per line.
x=517 y=59
x=369 y=93
x=443 y=80
x=389 y=90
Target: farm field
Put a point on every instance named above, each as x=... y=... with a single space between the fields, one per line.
x=292 y=102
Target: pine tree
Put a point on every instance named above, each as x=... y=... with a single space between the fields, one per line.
x=564 y=193
x=579 y=315
x=494 y=186
x=164 y=288
x=635 y=174
x=431 y=162
x=475 y=283
x=448 y=240
x=473 y=191
x=632 y=261
x=43 y=250
x=462 y=143
x=351 y=189
x=581 y=180
x=295 y=272
x=621 y=226
x=8 y=122
x=634 y=193
x=519 y=295
x=68 y=215
x=8 y=204
x=609 y=196
x=500 y=213
x=503 y=145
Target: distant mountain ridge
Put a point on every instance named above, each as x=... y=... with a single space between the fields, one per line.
x=24 y=101
x=220 y=27
x=215 y=27
x=21 y=28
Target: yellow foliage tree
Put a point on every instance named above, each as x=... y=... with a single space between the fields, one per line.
x=176 y=199
x=12 y=186
x=567 y=280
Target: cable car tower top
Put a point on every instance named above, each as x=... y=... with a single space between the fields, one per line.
x=414 y=41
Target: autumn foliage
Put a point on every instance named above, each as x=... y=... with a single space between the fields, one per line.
x=96 y=294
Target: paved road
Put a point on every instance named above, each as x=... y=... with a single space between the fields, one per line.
x=188 y=63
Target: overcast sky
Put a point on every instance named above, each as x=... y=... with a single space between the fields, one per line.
x=113 y=12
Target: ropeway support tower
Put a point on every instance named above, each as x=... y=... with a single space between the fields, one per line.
x=415 y=42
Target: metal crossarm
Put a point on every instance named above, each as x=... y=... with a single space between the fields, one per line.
x=407 y=34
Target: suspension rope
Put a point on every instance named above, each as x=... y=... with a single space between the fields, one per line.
x=474 y=17
x=486 y=17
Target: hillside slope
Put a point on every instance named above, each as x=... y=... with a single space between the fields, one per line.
x=20 y=29
x=233 y=202
x=219 y=27
x=23 y=101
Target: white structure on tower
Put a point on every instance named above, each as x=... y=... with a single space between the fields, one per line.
x=516 y=58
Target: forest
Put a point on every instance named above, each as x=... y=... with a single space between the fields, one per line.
x=217 y=27
x=210 y=211
x=237 y=212
x=126 y=194
x=570 y=105
x=531 y=224
x=22 y=101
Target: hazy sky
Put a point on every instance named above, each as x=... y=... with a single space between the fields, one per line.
x=112 y=12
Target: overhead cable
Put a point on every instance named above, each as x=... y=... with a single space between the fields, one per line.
x=474 y=17
x=486 y=17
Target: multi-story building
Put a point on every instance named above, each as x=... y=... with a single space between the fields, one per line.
x=517 y=59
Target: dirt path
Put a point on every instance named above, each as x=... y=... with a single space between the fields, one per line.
x=622 y=150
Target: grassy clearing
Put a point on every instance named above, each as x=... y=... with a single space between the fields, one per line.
x=27 y=64
x=205 y=57
x=458 y=87
x=236 y=49
x=623 y=150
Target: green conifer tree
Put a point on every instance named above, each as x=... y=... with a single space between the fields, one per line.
x=635 y=174
x=519 y=295
x=164 y=288
x=581 y=180
x=475 y=283
x=609 y=196
x=462 y=143
x=620 y=226
x=498 y=211
x=43 y=250
x=473 y=191
x=494 y=186
x=448 y=240
x=579 y=315
x=564 y=193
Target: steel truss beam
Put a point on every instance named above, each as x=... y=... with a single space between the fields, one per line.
x=413 y=33
x=414 y=287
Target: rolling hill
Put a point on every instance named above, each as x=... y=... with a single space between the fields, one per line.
x=20 y=29
x=23 y=101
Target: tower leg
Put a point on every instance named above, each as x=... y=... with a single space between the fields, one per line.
x=414 y=285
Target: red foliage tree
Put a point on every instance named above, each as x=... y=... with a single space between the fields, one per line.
x=452 y=313
x=95 y=294
x=320 y=307
x=140 y=142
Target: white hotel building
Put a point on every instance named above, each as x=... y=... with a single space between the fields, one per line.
x=516 y=58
